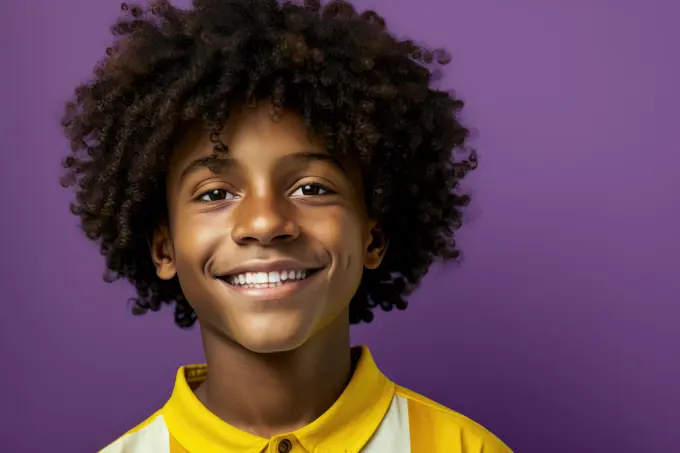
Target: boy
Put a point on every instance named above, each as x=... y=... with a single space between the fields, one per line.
x=275 y=172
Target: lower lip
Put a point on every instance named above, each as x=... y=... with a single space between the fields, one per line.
x=274 y=293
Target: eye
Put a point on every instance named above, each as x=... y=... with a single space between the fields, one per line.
x=215 y=195
x=311 y=190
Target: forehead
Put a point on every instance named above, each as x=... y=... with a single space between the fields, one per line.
x=249 y=131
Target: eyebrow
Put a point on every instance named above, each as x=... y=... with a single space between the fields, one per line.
x=308 y=156
x=217 y=163
x=213 y=163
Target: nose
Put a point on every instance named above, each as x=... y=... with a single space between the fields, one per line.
x=263 y=220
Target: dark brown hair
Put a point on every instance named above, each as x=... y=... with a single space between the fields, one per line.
x=355 y=85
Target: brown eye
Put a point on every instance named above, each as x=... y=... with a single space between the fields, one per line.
x=310 y=190
x=215 y=195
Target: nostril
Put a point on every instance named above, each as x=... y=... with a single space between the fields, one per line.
x=265 y=239
x=263 y=229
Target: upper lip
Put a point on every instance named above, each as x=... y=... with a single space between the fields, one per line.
x=268 y=266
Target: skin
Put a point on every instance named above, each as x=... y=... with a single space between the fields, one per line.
x=275 y=365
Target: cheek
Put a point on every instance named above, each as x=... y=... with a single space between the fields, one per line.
x=195 y=239
x=341 y=232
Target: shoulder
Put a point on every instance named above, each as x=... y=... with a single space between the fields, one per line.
x=453 y=431
x=150 y=435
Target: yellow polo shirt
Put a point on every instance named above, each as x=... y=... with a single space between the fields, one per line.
x=373 y=415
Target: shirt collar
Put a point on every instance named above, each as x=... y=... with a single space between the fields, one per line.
x=346 y=426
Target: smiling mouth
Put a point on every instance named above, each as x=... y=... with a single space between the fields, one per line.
x=272 y=279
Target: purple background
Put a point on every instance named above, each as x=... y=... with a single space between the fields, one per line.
x=560 y=330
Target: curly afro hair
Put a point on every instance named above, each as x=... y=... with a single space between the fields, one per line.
x=356 y=86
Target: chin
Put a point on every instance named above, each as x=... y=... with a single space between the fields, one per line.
x=271 y=333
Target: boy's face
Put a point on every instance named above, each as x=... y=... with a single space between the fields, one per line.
x=270 y=241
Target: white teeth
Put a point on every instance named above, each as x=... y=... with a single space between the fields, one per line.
x=266 y=279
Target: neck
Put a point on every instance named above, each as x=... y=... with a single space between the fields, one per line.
x=269 y=394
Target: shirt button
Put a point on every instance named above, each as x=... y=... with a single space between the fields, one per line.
x=285 y=446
